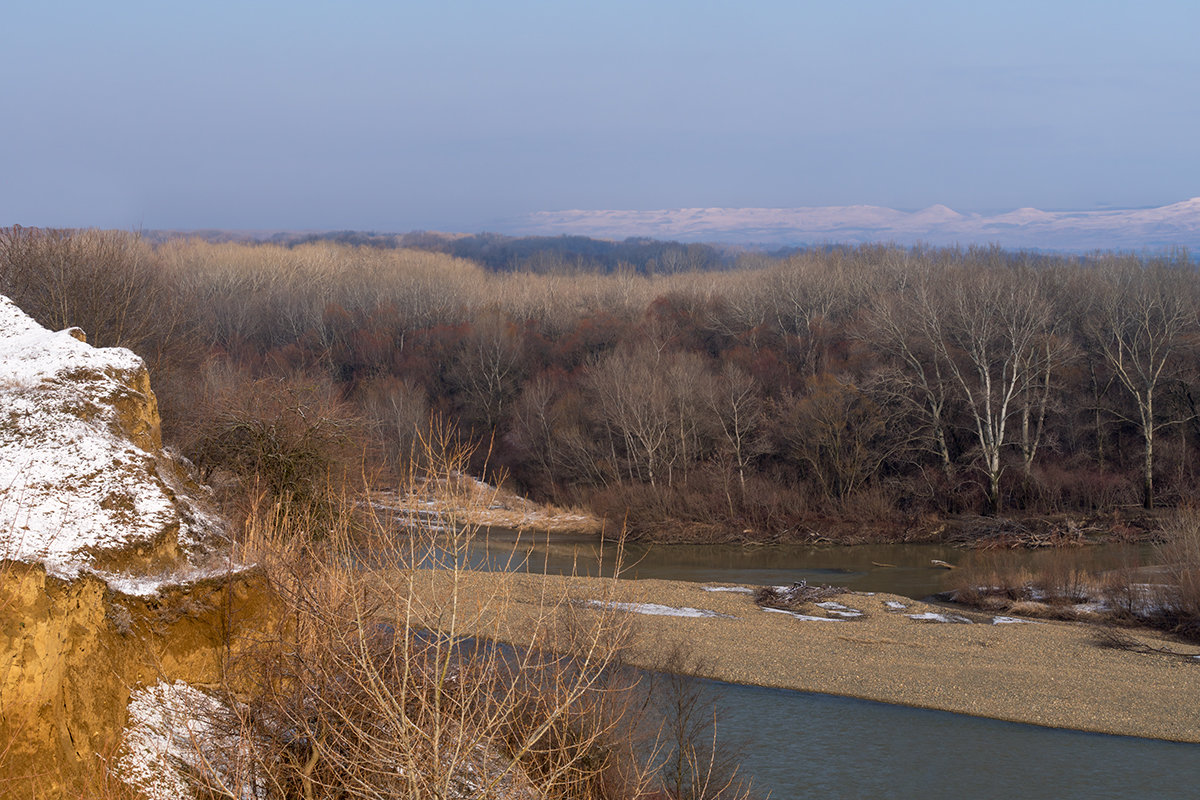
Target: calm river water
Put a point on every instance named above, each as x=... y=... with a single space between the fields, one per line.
x=905 y=569
x=802 y=745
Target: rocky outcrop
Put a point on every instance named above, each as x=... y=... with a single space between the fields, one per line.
x=114 y=573
x=84 y=484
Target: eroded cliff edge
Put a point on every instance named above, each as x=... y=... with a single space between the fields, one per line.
x=114 y=570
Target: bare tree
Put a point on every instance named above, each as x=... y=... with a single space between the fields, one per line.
x=736 y=404
x=988 y=329
x=650 y=404
x=840 y=435
x=1141 y=320
x=108 y=283
x=487 y=369
x=902 y=327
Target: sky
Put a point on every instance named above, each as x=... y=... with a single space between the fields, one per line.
x=454 y=115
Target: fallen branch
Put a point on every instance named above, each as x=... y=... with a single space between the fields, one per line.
x=1117 y=640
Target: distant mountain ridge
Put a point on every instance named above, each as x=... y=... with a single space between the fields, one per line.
x=1174 y=225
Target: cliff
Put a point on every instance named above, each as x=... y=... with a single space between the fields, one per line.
x=114 y=573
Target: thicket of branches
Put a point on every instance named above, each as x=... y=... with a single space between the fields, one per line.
x=877 y=384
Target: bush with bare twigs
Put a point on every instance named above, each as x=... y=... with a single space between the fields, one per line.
x=1180 y=553
x=288 y=436
x=392 y=681
x=389 y=679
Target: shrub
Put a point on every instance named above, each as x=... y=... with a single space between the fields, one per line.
x=1181 y=555
x=290 y=437
x=393 y=681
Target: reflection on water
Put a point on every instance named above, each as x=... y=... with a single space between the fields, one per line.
x=904 y=569
x=800 y=745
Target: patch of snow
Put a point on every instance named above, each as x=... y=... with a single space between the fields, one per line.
x=1013 y=621
x=736 y=589
x=894 y=605
x=150 y=585
x=830 y=605
x=933 y=616
x=177 y=736
x=72 y=483
x=654 y=609
x=798 y=615
x=840 y=610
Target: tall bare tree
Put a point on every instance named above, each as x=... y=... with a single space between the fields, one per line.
x=736 y=404
x=902 y=326
x=989 y=329
x=1141 y=320
x=650 y=404
x=487 y=368
x=839 y=434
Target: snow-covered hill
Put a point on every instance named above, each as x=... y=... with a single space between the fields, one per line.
x=84 y=484
x=1129 y=229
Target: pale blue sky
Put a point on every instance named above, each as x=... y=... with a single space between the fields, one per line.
x=456 y=115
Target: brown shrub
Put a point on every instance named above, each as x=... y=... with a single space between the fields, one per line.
x=401 y=667
x=1181 y=555
x=290 y=437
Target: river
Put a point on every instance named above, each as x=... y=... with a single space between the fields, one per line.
x=904 y=569
x=800 y=745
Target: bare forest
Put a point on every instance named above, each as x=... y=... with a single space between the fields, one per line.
x=873 y=391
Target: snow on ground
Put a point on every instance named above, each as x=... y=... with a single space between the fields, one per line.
x=933 y=616
x=150 y=585
x=73 y=484
x=798 y=615
x=894 y=605
x=654 y=609
x=840 y=610
x=176 y=733
x=1012 y=621
x=737 y=589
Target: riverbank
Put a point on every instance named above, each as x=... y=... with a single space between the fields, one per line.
x=463 y=500
x=895 y=651
x=1119 y=525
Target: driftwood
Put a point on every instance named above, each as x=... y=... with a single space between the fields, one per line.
x=796 y=596
x=1116 y=640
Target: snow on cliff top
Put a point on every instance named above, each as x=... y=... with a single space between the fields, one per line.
x=82 y=484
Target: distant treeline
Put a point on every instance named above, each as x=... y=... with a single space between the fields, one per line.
x=500 y=253
x=875 y=384
x=567 y=254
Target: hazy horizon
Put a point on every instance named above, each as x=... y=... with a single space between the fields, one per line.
x=457 y=117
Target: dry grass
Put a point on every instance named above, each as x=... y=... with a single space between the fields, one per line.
x=385 y=666
x=1180 y=553
x=1066 y=587
x=382 y=679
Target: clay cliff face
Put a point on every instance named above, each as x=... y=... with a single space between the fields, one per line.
x=113 y=573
